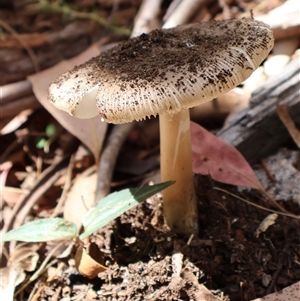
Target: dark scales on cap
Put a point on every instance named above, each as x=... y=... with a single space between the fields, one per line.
x=167 y=70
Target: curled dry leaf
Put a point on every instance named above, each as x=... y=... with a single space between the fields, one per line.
x=26 y=255
x=90 y=132
x=10 y=277
x=214 y=157
x=266 y=223
x=89 y=261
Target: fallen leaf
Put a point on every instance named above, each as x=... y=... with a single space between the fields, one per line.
x=266 y=223
x=214 y=157
x=89 y=261
x=90 y=132
x=26 y=255
x=10 y=277
x=80 y=198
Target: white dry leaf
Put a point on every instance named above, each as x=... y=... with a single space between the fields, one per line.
x=90 y=132
x=290 y=293
x=10 y=277
x=266 y=223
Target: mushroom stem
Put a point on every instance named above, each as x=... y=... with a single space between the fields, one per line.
x=179 y=200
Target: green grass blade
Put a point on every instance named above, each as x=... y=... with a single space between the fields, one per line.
x=42 y=230
x=115 y=204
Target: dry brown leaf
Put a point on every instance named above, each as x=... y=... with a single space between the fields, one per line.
x=26 y=255
x=89 y=261
x=90 y=132
x=80 y=198
x=290 y=293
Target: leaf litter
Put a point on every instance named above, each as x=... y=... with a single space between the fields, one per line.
x=138 y=244
x=90 y=132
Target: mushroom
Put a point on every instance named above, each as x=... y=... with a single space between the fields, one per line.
x=166 y=72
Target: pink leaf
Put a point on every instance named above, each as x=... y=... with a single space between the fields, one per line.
x=214 y=157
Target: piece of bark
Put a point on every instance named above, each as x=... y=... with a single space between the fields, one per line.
x=257 y=131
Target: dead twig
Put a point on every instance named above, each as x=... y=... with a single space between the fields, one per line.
x=66 y=188
x=265 y=167
x=13 y=108
x=109 y=157
x=15 y=91
x=28 y=49
x=56 y=7
x=26 y=203
x=257 y=206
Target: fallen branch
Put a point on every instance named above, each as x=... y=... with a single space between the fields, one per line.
x=257 y=131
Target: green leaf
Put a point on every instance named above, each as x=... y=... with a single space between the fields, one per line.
x=50 y=130
x=42 y=230
x=40 y=142
x=115 y=204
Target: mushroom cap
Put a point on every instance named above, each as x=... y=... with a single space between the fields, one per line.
x=164 y=71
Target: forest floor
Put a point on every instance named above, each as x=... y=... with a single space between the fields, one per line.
x=48 y=169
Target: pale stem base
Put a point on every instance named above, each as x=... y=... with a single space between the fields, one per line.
x=179 y=200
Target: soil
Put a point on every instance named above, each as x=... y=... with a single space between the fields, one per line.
x=227 y=256
x=144 y=260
